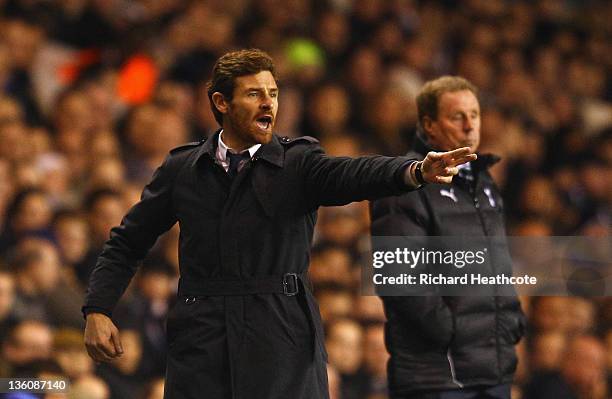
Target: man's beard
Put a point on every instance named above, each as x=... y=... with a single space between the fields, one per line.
x=246 y=131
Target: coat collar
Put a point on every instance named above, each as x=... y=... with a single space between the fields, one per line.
x=271 y=152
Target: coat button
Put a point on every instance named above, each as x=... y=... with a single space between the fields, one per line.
x=285 y=139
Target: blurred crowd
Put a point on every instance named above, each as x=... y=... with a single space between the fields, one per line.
x=93 y=94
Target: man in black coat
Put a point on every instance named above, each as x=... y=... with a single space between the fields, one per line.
x=445 y=347
x=246 y=324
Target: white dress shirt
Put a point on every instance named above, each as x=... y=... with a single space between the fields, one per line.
x=222 y=150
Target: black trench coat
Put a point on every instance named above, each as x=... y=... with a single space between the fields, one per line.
x=260 y=225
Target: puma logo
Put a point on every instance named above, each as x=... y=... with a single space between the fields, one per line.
x=449 y=193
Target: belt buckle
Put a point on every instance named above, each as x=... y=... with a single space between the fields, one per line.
x=286 y=284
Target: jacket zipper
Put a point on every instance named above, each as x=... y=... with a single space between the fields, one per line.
x=486 y=233
x=452 y=369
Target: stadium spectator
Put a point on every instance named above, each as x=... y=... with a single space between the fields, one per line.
x=548 y=350
x=44 y=289
x=29 y=341
x=344 y=342
x=70 y=355
x=7 y=299
x=582 y=374
x=89 y=387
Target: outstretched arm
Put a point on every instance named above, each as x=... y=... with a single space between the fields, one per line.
x=341 y=180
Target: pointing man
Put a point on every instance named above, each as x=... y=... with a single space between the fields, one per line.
x=246 y=324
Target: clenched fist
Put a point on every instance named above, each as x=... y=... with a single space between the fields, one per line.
x=102 y=338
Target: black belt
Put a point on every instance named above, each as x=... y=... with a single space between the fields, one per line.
x=287 y=284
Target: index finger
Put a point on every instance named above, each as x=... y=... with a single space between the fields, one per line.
x=458 y=153
x=459 y=161
x=459 y=156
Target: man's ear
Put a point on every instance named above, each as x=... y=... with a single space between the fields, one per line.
x=427 y=125
x=220 y=103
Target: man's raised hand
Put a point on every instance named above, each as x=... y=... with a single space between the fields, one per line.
x=440 y=167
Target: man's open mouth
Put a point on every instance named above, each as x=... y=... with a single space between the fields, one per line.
x=264 y=122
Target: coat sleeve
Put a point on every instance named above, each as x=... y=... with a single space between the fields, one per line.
x=130 y=241
x=334 y=181
x=407 y=216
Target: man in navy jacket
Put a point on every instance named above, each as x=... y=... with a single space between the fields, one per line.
x=447 y=347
